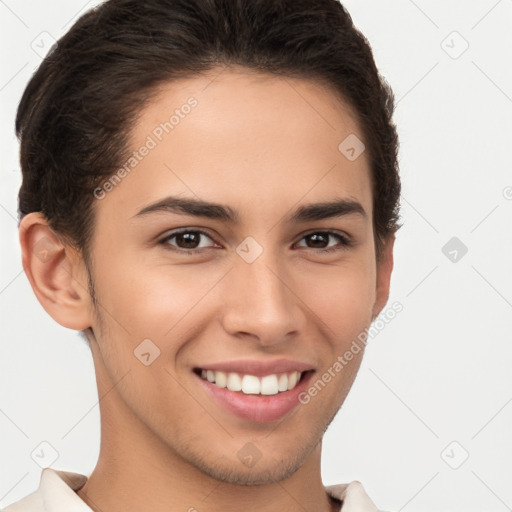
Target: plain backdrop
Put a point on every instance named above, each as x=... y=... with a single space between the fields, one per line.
x=427 y=425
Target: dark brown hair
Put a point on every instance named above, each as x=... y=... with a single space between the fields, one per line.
x=78 y=109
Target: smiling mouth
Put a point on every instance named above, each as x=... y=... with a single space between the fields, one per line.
x=272 y=384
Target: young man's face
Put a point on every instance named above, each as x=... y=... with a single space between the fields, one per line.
x=259 y=290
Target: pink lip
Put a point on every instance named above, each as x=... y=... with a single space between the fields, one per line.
x=258 y=368
x=257 y=408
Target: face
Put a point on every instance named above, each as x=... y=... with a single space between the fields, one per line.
x=255 y=292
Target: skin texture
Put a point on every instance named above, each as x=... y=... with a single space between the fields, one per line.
x=262 y=145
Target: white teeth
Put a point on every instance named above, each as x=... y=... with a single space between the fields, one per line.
x=269 y=385
x=252 y=385
x=292 y=379
x=221 y=379
x=234 y=382
x=282 y=385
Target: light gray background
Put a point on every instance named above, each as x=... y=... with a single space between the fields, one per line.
x=438 y=373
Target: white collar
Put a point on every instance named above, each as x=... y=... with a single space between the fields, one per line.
x=57 y=489
x=57 y=493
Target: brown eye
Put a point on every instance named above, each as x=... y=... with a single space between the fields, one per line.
x=190 y=240
x=186 y=240
x=320 y=240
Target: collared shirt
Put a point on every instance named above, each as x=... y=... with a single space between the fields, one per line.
x=57 y=493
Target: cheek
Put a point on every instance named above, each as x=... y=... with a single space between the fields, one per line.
x=156 y=301
x=342 y=298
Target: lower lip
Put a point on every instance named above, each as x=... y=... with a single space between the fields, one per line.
x=257 y=408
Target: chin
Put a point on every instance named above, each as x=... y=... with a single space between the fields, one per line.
x=272 y=465
x=267 y=473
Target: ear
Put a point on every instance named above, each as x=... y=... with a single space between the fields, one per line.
x=384 y=269
x=56 y=272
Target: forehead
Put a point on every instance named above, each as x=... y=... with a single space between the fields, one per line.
x=246 y=139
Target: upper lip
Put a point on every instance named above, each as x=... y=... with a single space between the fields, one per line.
x=258 y=368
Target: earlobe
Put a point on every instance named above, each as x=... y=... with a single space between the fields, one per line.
x=384 y=270
x=56 y=273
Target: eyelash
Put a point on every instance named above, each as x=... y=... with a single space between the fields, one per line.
x=346 y=242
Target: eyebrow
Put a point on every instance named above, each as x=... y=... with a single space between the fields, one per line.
x=304 y=213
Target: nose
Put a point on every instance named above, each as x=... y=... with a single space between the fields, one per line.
x=261 y=302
